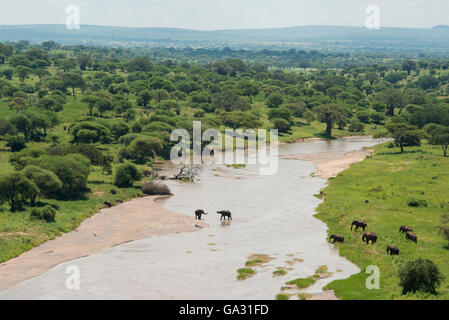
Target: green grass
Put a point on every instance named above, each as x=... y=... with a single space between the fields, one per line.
x=254 y=262
x=279 y=273
x=388 y=179
x=282 y=296
x=245 y=273
x=302 y=283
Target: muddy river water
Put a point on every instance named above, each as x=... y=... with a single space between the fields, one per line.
x=272 y=215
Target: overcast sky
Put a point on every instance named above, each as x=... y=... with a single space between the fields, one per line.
x=227 y=14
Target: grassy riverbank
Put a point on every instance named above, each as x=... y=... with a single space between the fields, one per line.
x=390 y=181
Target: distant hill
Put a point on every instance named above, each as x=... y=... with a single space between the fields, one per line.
x=324 y=37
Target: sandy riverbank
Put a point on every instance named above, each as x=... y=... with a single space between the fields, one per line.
x=330 y=164
x=137 y=219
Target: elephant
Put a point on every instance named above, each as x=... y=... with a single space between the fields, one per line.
x=336 y=238
x=392 y=250
x=358 y=224
x=405 y=229
x=199 y=213
x=369 y=236
x=411 y=236
x=108 y=204
x=224 y=214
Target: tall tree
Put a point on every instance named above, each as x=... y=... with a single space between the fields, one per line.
x=330 y=114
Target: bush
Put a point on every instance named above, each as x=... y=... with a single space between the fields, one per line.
x=420 y=275
x=154 y=188
x=142 y=149
x=416 y=203
x=356 y=126
x=46 y=213
x=47 y=182
x=16 y=143
x=126 y=174
x=73 y=171
x=281 y=124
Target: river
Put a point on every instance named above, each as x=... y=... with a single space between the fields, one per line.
x=272 y=215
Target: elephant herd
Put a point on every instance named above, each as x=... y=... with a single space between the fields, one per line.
x=371 y=236
x=224 y=214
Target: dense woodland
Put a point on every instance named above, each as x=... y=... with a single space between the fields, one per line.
x=83 y=125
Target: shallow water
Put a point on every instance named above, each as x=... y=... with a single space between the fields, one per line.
x=272 y=215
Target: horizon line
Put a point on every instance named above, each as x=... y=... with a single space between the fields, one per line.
x=215 y=30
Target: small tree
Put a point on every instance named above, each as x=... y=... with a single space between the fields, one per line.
x=443 y=141
x=356 y=126
x=47 y=182
x=439 y=136
x=309 y=116
x=281 y=124
x=15 y=143
x=404 y=134
x=126 y=174
x=248 y=89
x=142 y=149
x=15 y=188
x=275 y=100
x=91 y=101
x=420 y=275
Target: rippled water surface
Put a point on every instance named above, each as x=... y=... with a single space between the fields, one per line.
x=272 y=215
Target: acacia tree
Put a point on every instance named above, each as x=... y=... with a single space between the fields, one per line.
x=91 y=101
x=409 y=65
x=73 y=80
x=440 y=136
x=330 y=114
x=248 y=89
x=393 y=99
x=15 y=188
x=404 y=134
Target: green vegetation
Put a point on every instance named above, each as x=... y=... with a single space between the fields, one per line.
x=245 y=273
x=84 y=125
x=254 y=262
x=403 y=189
x=279 y=273
x=420 y=275
x=302 y=283
x=282 y=296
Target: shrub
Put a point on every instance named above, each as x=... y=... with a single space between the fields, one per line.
x=47 y=182
x=281 y=124
x=416 y=203
x=73 y=171
x=16 y=143
x=420 y=275
x=126 y=174
x=155 y=188
x=355 y=126
x=46 y=213
x=142 y=149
